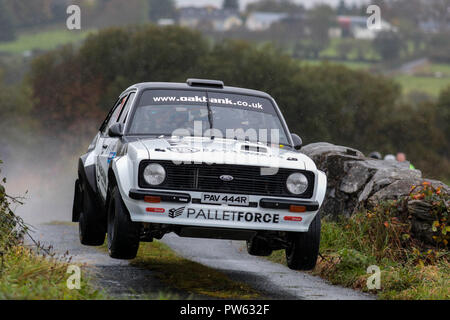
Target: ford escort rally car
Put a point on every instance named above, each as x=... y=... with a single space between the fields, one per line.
x=199 y=159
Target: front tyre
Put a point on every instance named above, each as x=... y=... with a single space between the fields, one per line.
x=304 y=247
x=123 y=234
x=91 y=226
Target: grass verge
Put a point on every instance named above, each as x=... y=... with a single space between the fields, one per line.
x=26 y=275
x=189 y=276
x=33 y=274
x=347 y=255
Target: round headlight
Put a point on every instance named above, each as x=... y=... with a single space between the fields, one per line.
x=297 y=183
x=154 y=174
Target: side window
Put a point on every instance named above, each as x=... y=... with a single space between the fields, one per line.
x=126 y=109
x=105 y=122
x=114 y=115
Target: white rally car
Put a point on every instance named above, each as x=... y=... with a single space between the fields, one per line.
x=202 y=160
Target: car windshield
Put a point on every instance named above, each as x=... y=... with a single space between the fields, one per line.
x=178 y=113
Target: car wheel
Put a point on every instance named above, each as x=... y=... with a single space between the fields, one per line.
x=123 y=234
x=91 y=226
x=77 y=202
x=304 y=247
x=258 y=247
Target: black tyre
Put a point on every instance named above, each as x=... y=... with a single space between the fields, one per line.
x=258 y=247
x=91 y=223
x=304 y=247
x=123 y=234
x=77 y=202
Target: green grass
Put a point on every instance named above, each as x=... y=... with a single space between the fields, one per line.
x=45 y=40
x=190 y=276
x=429 y=85
x=349 y=64
x=25 y=275
x=441 y=68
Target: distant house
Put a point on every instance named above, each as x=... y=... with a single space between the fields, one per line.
x=166 y=22
x=260 y=21
x=209 y=17
x=356 y=26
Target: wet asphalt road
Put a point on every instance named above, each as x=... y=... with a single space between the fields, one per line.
x=122 y=280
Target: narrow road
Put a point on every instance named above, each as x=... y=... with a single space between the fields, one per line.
x=122 y=280
x=275 y=280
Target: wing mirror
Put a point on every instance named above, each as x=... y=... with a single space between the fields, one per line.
x=298 y=143
x=115 y=131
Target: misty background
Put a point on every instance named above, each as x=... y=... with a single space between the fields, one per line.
x=386 y=90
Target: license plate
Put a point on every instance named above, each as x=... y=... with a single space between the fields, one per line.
x=230 y=199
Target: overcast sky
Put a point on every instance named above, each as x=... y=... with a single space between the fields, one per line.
x=218 y=3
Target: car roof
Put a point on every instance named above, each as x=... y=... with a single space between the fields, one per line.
x=185 y=86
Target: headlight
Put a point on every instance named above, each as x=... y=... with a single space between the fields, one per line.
x=154 y=174
x=297 y=183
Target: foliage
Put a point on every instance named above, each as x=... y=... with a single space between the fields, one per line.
x=27 y=273
x=320 y=19
x=439 y=211
x=12 y=227
x=25 y=13
x=389 y=45
x=7 y=32
x=161 y=9
x=275 y=6
x=230 y=4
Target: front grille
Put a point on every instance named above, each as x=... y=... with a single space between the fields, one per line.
x=247 y=179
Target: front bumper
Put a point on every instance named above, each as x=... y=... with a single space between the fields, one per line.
x=184 y=208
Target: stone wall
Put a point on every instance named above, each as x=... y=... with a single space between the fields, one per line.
x=356 y=182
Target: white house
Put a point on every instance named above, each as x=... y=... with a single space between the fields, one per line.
x=356 y=26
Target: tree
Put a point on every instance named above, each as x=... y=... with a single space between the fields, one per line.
x=388 y=45
x=342 y=8
x=160 y=9
x=231 y=4
x=6 y=23
x=30 y=13
x=275 y=6
x=320 y=19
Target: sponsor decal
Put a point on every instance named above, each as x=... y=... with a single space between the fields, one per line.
x=228 y=215
x=173 y=213
x=289 y=218
x=112 y=155
x=156 y=210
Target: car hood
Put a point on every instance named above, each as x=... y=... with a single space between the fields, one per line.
x=222 y=151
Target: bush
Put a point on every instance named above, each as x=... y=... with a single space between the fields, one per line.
x=12 y=228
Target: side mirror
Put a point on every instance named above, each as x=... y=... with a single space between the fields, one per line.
x=298 y=143
x=115 y=131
